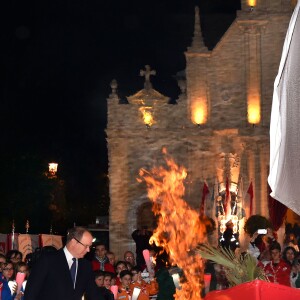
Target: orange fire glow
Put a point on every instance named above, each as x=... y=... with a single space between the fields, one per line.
x=179 y=228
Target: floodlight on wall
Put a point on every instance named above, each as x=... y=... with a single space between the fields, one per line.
x=252 y=4
x=147 y=116
x=253 y=110
x=199 y=112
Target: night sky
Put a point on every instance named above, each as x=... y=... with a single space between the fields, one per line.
x=58 y=59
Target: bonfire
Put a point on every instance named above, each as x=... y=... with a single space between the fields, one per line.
x=179 y=229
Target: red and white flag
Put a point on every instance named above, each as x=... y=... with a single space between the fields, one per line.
x=52 y=240
x=227 y=204
x=250 y=195
x=3 y=243
x=205 y=192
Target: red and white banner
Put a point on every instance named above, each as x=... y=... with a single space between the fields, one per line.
x=51 y=240
x=249 y=200
x=27 y=243
x=227 y=203
x=205 y=192
x=3 y=243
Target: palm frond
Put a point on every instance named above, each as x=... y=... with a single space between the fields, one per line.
x=237 y=269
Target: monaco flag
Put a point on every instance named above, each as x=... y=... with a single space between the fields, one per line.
x=205 y=192
x=249 y=197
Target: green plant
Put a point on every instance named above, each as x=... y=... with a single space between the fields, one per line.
x=237 y=269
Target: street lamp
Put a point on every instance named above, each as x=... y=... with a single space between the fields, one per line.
x=52 y=170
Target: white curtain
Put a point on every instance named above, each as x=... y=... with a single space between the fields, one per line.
x=284 y=177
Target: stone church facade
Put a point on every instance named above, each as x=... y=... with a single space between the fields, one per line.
x=218 y=130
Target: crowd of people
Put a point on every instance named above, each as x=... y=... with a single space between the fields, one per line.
x=281 y=264
x=96 y=275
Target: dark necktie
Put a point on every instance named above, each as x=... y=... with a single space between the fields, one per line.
x=73 y=269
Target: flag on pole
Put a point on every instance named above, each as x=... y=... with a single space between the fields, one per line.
x=240 y=193
x=3 y=243
x=12 y=241
x=51 y=240
x=205 y=192
x=227 y=204
x=25 y=244
x=214 y=193
x=251 y=194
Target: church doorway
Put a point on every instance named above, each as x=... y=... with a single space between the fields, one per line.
x=145 y=217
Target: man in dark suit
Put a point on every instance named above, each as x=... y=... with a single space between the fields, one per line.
x=64 y=274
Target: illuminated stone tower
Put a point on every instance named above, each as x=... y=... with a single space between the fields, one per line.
x=219 y=129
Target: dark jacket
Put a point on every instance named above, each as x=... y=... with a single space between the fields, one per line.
x=50 y=279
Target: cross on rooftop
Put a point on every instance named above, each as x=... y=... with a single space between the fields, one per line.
x=147 y=73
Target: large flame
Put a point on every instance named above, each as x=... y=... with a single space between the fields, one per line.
x=179 y=229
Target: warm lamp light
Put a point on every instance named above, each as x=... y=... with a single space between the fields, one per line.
x=52 y=167
x=235 y=221
x=253 y=113
x=254 y=110
x=199 y=112
x=223 y=220
x=147 y=116
x=252 y=3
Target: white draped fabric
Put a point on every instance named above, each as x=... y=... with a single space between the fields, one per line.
x=284 y=177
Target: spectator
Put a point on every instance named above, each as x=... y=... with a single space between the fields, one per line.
x=14 y=256
x=259 y=246
x=277 y=270
x=129 y=266
x=147 y=289
x=23 y=268
x=229 y=239
x=295 y=275
x=289 y=255
x=141 y=238
x=107 y=279
x=120 y=266
x=129 y=257
x=8 y=275
x=2 y=261
x=166 y=287
x=99 y=278
x=111 y=257
x=101 y=261
x=101 y=282
x=124 y=291
x=291 y=241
